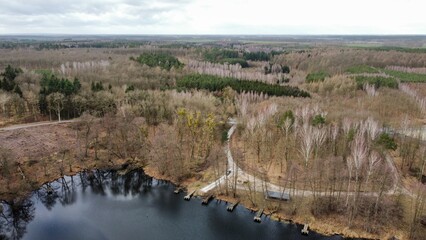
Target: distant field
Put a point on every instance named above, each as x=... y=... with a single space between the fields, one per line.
x=402 y=76
x=374 y=47
x=364 y=45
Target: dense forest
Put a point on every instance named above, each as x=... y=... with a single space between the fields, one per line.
x=213 y=83
x=163 y=61
x=216 y=55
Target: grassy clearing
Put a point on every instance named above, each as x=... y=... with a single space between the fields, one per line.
x=362 y=69
x=316 y=77
x=406 y=77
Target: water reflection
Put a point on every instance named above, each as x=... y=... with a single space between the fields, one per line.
x=107 y=205
x=15 y=217
x=18 y=213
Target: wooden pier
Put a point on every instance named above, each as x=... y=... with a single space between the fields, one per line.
x=231 y=206
x=305 y=230
x=188 y=197
x=207 y=199
x=258 y=216
x=277 y=196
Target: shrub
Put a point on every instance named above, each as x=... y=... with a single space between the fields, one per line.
x=387 y=141
x=318 y=120
x=316 y=77
x=376 y=81
x=283 y=118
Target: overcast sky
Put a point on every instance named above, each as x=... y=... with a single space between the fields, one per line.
x=213 y=16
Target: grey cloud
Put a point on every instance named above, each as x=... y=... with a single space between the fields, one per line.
x=58 y=14
x=43 y=7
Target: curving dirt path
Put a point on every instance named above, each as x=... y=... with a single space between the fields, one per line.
x=245 y=179
x=36 y=124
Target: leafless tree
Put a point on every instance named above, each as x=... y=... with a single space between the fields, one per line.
x=56 y=103
x=307 y=142
x=4 y=99
x=85 y=125
x=359 y=152
x=370 y=89
x=373 y=161
x=372 y=128
x=334 y=134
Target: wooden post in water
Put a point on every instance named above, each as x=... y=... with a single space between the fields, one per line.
x=188 y=197
x=207 y=200
x=305 y=230
x=231 y=206
x=258 y=216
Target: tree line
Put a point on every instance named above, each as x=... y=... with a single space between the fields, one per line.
x=225 y=56
x=213 y=83
x=256 y=56
x=162 y=60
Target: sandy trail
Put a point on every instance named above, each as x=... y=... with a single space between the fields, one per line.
x=36 y=124
x=245 y=179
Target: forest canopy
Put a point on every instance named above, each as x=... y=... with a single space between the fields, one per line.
x=8 y=83
x=213 y=83
x=162 y=60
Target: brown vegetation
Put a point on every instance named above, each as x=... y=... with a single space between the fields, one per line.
x=334 y=153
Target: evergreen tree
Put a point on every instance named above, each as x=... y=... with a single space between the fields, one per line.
x=8 y=83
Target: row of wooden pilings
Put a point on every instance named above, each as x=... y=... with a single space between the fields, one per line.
x=231 y=206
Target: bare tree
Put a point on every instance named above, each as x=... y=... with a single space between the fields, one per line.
x=359 y=151
x=307 y=142
x=86 y=124
x=32 y=103
x=418 y=206
x=334 y=134
x=372 y=128
x=56 y=103
x=5 y=160
x=370 y=89
x=373 y=161
x=288 y=124
x=350 y=165
x=4 y=99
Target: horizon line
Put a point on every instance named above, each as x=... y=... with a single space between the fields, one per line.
x=210 y=34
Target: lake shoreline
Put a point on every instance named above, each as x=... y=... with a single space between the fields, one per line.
x=322 y=227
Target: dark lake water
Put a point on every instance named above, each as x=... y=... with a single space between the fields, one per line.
x=106 y=205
